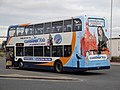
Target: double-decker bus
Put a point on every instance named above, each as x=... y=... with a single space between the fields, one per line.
x=77 y=43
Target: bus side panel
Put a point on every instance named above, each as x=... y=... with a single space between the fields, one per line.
x=64 y=60
x=73 y=62
x=77 y=50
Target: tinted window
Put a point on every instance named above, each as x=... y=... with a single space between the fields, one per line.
x=38 y=51
x=57 y=27
x=67 y=25
x=20 y=31
x=28 y=51
x=77 y=25
x=47 y=28
x=67 y=50
x=12 y=31
x=29 y=30
x=47 y=51
x=38 y=29
x=19 y=51
x=57 y=51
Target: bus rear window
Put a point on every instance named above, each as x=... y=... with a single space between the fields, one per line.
x=95 y=22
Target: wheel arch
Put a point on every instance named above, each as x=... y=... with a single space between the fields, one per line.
x=58 y=66
x=57 y=60
x=20 y=59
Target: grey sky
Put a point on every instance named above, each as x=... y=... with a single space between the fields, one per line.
x=31 y=11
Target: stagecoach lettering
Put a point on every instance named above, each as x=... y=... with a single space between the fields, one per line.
x=34 y=40
x=97 y=57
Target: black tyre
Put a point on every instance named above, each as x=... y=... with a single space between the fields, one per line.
x=21 y=64
x=58 y=66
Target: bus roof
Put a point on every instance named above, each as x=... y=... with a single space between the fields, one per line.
x=13 y=26
x=56 y=19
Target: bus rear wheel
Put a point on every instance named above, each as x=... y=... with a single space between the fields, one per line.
x=58 y=66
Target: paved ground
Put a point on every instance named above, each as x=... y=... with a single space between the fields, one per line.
x=48 y=80
x=14 y=72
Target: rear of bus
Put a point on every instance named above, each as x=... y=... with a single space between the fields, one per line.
x=95 y=44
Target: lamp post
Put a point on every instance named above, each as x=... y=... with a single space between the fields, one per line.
x=111 y=19
x=111 y=28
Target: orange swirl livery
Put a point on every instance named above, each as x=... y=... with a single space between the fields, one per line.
x=64 y=60
x=8 y=41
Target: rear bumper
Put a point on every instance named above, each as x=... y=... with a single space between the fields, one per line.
x=86 y=68
x=97 y=68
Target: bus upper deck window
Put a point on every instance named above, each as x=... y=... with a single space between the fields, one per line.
x=29 y=30
x=68 y=25
x=38 y=29
x=12 y=31
x=47 y=28
x=77 y=25
x=20 y=31
x=57 y=27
